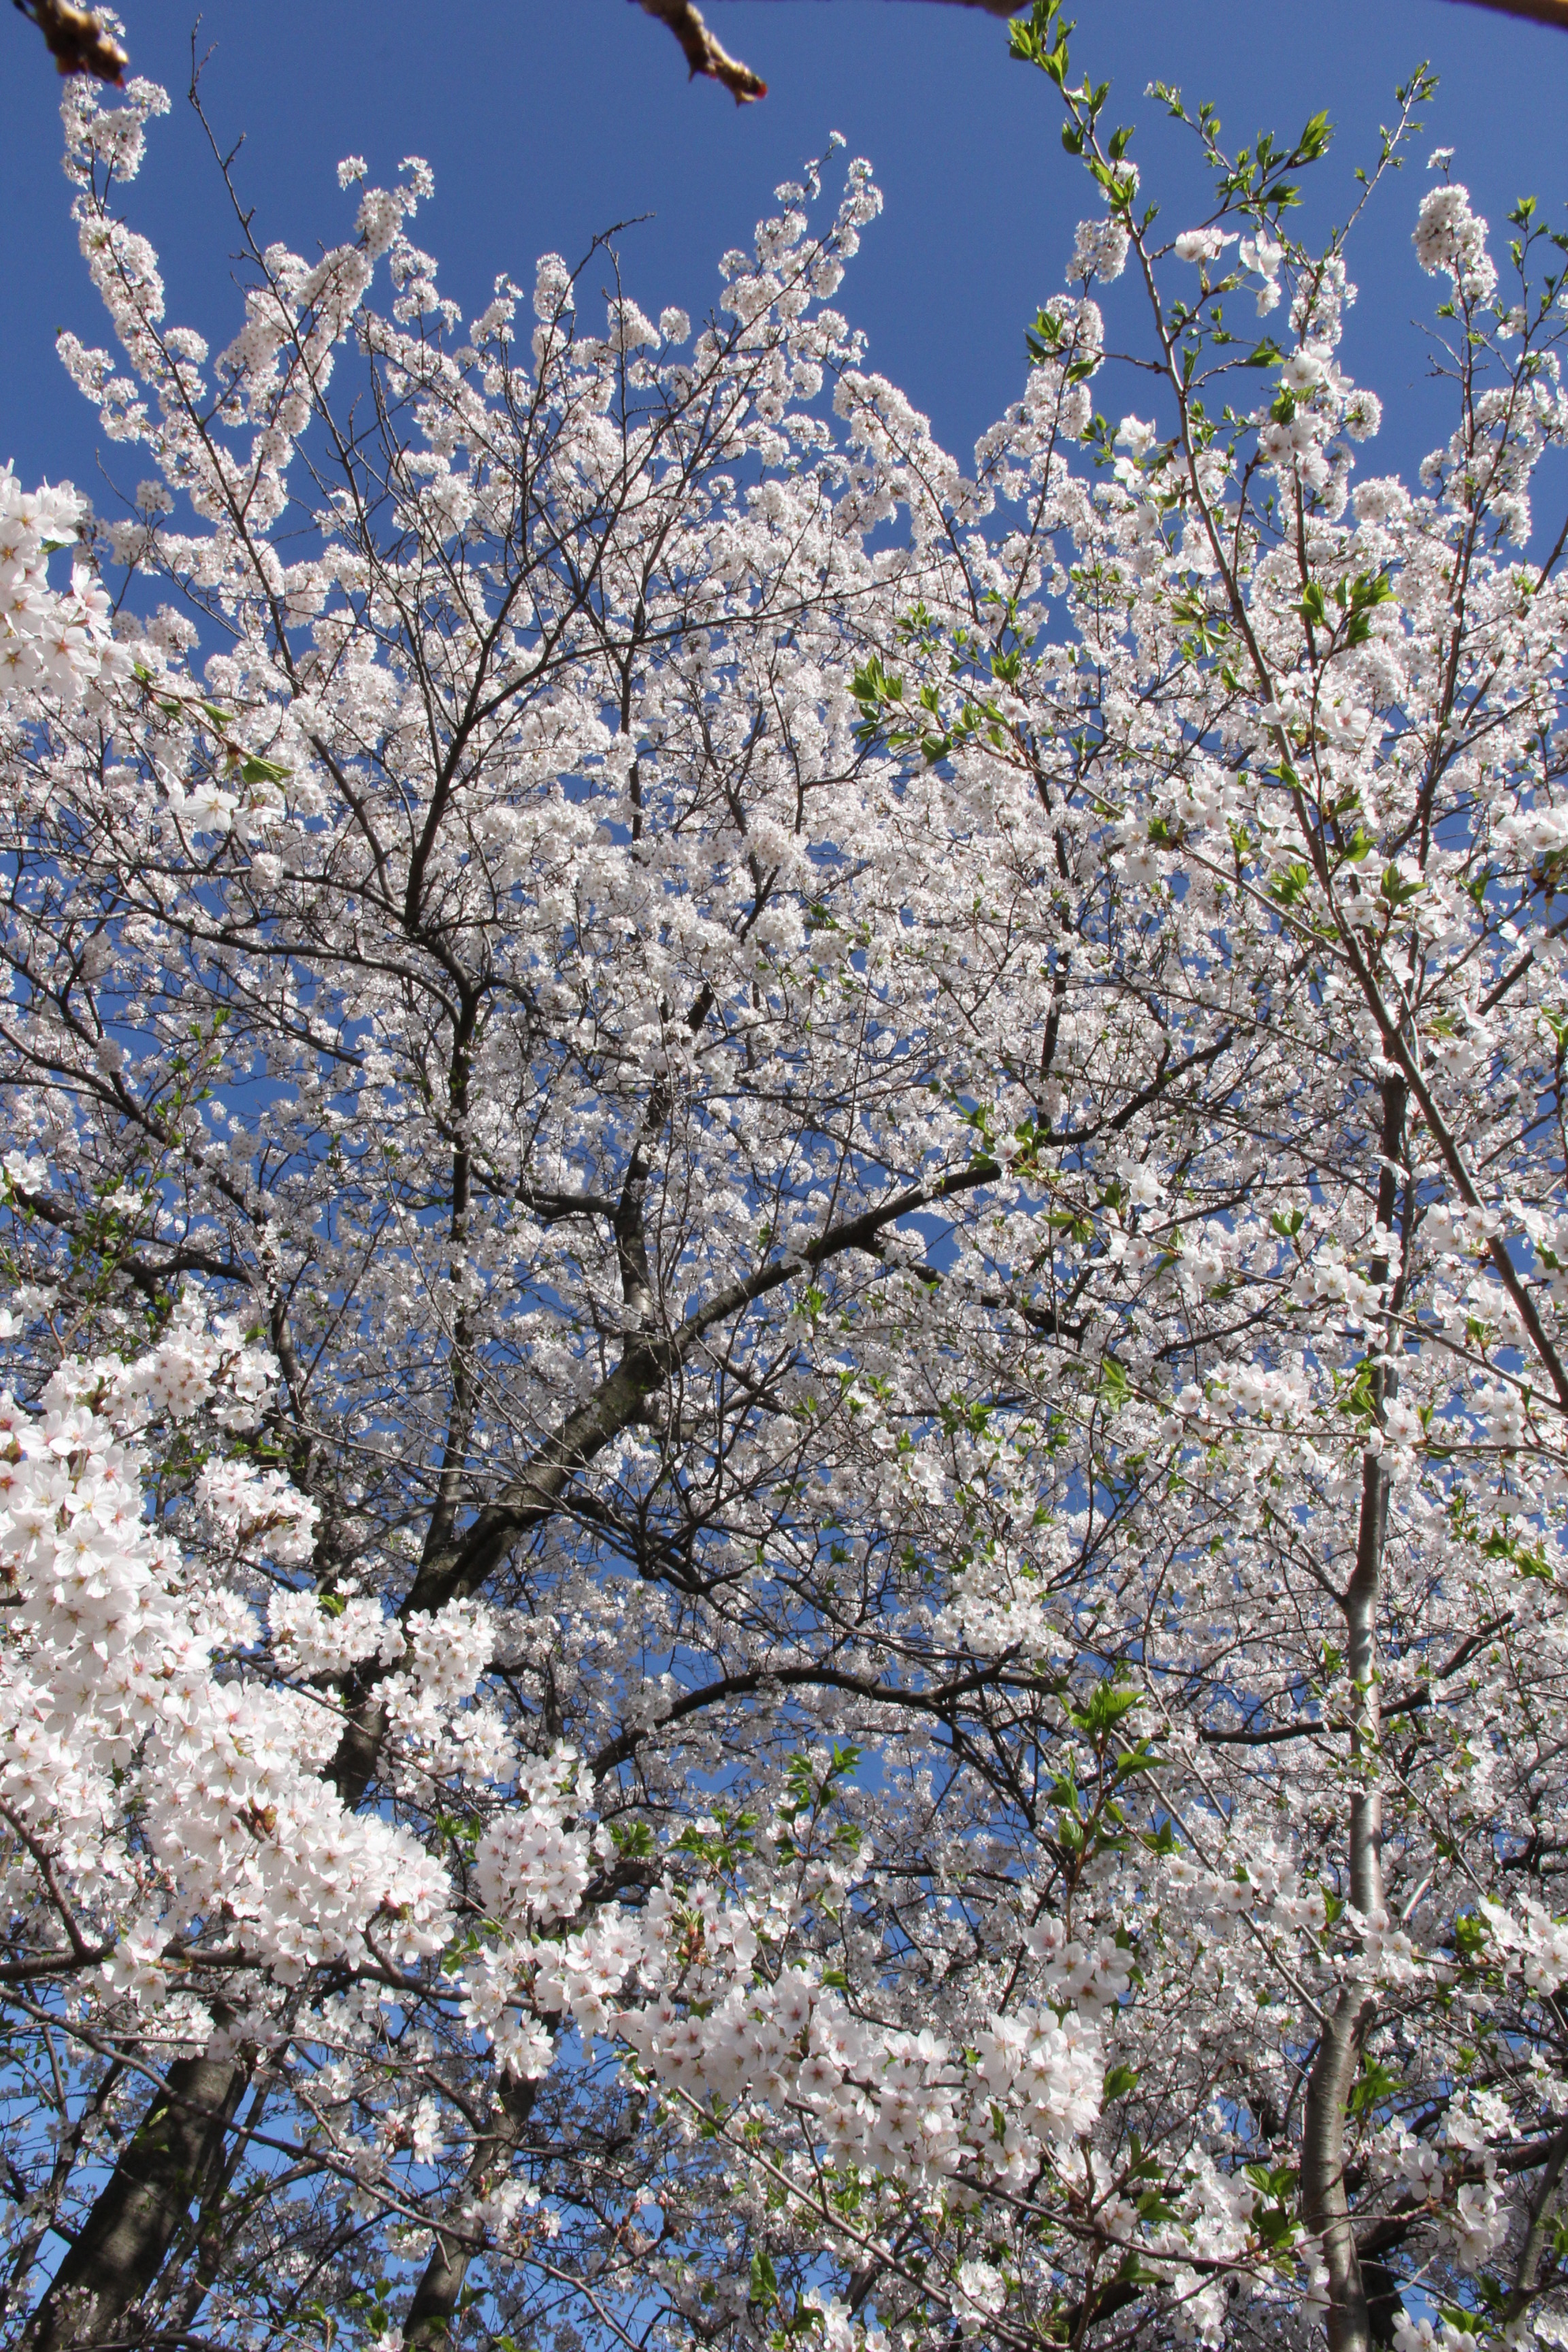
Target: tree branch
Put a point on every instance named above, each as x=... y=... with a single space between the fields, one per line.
x=76 y=40
x=704 y=54
x=1540 y=12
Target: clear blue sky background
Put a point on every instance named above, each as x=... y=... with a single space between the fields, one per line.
x=546 y=120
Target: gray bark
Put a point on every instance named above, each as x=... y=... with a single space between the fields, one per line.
x=1542 y=2212
x=1325 y=2205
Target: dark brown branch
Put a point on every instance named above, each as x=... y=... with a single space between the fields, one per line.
x=427 y=2328
x=79 y=44
x=1540 y=12
x=76 y=40
x=704 y=54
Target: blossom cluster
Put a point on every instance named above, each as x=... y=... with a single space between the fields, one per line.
x=51 y=642
x=159 y=1794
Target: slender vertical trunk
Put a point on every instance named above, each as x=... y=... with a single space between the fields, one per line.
x=428 y=2326
x=1542 y=2212
x=1325 y=2205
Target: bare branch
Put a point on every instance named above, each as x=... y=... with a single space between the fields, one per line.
x=77 y=40
x=707 y=57
x=704 y=54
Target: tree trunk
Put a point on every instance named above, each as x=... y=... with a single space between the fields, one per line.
x=160 y=2174
x=428 y=2326
x=1325 y=2206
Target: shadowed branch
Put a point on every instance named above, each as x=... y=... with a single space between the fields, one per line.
x=706 y=55
x=79 y=43
x=76 y=40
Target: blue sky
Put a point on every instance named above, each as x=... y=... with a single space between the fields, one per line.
x=547 y=121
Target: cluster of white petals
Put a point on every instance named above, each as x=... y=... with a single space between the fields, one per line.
x=51 y=642
x=158 y=1788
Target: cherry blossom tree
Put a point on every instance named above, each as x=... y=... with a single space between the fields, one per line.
x=786 y=1246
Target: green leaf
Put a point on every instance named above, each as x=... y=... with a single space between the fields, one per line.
x=1314 y=141
x=1103 y=1709
x=764 y=2286
x=1374 y=2086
